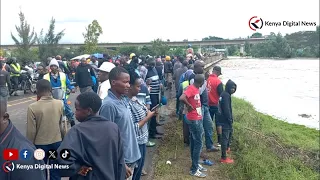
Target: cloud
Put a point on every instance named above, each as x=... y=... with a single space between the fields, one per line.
x=143 y=20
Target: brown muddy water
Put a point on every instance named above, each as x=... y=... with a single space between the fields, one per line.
x=285 y=89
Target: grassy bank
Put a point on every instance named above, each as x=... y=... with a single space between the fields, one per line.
x=263 y=148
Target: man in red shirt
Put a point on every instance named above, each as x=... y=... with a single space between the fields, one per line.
x=215 y=88
x=191 y=98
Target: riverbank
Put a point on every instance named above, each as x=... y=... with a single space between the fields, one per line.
x=263 y=148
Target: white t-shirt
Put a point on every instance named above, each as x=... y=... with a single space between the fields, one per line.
x=103 y=89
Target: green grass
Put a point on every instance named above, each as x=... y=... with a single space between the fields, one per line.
x=263 y=148
x=267 y=148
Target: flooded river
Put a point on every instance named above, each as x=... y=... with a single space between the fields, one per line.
x=285 y=89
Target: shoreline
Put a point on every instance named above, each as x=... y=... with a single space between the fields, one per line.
x=273 y=58
x=263 y=148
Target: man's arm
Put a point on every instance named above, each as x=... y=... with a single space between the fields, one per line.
x=69 y=86
x=121 y=166
x=8 y=81
x=220 y=88
x=31 y=125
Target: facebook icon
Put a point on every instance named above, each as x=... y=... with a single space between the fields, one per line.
x=25 y=154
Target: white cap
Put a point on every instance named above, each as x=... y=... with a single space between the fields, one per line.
x=107 y=67
x=54 y=62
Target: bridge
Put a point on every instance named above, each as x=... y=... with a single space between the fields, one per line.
x=173 y=43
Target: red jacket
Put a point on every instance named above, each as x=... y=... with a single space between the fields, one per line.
x=215 y=88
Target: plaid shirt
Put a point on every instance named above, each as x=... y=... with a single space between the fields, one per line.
x=138 y=113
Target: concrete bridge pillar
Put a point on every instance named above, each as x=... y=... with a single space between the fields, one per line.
x=241 y=49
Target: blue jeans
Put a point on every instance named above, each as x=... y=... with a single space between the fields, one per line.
x=196 y=133
x=208 y=127
x=54 y=173
x=138 y=170
x=68 y=111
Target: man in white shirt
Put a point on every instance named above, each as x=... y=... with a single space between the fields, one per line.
x=103 y=76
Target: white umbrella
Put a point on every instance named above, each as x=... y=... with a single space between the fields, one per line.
x=81 y=56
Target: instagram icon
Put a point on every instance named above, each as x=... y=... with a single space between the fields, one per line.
x=39 y=154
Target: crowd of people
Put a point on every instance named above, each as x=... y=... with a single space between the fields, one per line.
x=117 y=109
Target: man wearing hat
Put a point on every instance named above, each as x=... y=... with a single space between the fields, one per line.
x=60 y=79
x=103 y=76
x=215 y=88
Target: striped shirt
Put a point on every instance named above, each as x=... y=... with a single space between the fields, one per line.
x=138 y=113
x=143 y=95
x=155 y=82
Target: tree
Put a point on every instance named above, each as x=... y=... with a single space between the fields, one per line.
x=127 y=50
x=26 y=39
x=159 y=47
x=48 y=43
x=256 y=35
x=91 y=37
x=210 y=38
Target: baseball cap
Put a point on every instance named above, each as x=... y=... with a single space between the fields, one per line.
x=218 y=69
x=106 y=66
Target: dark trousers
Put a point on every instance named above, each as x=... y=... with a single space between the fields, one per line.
x=4 y=93
x=177 y=104
x=153 y=122
x=213 y=113
x=225 y=141
x=54 y=173
x=186 y=132
x=15 y=82
x=138 y=170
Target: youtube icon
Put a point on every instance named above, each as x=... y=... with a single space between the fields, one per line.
x=11 y=154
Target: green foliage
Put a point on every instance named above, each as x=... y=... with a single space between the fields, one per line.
x=48 y=43
x=247 y=48
x=277 y=46
x=232 y=49
x=210 y=38
x=256 y=35
x=93 y=31
x=127 y=50
x=25 y=40
x=159 y=47
x=267 y=148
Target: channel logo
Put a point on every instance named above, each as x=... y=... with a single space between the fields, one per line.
x=10 y=154
x=8 y=166
x=25 y=154
x=65 y=154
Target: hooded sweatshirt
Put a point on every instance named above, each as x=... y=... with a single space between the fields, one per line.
x=225 y=116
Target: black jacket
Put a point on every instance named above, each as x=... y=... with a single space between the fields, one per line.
x=168 y=67
x=83 y=75
x=225 y=116
x=95 y=143
x=11 y=138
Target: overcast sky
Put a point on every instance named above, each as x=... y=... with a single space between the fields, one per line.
x=145 y=20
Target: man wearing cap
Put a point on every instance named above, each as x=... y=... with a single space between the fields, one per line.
x=103 y=76
x=60 y=79
x=215 y=88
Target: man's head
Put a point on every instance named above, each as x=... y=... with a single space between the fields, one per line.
x=199 y=80
x=58 y=57
x=190 y=66
x=14 y=60
x=41 y=69
x=185 y=63
x=151 y=63
x=93 y=59
x=83 y=60
x=199 y=67
x=104 y=71
x=43 y=87
x=54 y=66
x=231 y=87
x=216 y=70
x=87 y=104
x=4 y=116
x=119 y=80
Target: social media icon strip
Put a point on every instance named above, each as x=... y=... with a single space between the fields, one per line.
x=65 y=154
x=39 y=154
x=25 y=154
x=8 y=166
x=10 y=154
x=52 y=154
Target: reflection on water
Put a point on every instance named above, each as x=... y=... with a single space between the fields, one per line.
x=282 y=88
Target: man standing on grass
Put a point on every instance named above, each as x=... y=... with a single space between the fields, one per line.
x=215 y=88
x=226 y=119
x=191 y=98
